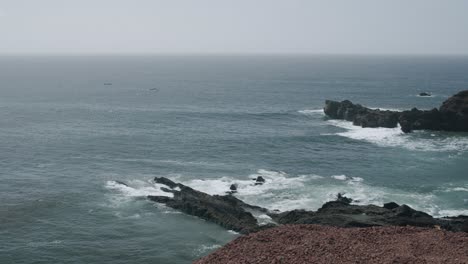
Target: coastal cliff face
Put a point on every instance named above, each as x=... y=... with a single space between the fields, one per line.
x=451 y=116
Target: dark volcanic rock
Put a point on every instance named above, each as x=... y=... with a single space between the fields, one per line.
x=451 y=116
x=390 y=205
x=417 y=120
x=232 y=189
x=259 y=180
x=360 y=115
x=343 y=199
x=338 y=213
x=227 y=211
x=232 y=213
x=455 y=111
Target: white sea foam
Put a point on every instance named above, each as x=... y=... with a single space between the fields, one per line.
x=394 y=137
x=137 y=188
x=387 y=109
x=339 y=177
x=455 y=189
x=282 y=191
x=453 y=212
x=274 y=180
x=311 y=111
x=206 y=248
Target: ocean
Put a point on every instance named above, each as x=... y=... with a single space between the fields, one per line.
x=70 y=126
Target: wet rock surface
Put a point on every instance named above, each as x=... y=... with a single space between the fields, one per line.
x=232 y=213
x=325 y=244
x=451 y=116
x=360 y=115
x=224 y=210
x=342 y=214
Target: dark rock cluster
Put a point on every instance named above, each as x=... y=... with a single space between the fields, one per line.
x=232 y=213
x=451 y=116
x=343 y=214
x=224 y=210
x=360 y=115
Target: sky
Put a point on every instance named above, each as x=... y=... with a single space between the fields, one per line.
x=234 y=26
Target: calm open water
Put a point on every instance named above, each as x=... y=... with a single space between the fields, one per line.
x=206 y=121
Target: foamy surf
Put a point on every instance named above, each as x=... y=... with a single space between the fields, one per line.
x=137 y=188
x=311 y=112
x=283 y=192
x=394 y=137
x=274 y=180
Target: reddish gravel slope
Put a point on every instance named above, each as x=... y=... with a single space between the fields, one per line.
x=324 y=244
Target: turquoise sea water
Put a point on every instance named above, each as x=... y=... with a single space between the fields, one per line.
x=206 y=121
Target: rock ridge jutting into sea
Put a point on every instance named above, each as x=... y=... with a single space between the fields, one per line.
x=234 y=214
x=452 y=115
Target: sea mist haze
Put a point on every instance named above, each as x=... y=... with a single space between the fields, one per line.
x=70 y=126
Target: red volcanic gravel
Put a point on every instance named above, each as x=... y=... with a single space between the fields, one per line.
x=324 y=244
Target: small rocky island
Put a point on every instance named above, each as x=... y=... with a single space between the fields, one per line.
x=452 y=115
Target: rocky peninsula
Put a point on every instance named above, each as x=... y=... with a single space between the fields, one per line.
x=234 y=214
x=338 y=232
x=452 y=115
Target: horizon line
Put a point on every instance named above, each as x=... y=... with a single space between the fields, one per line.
x=225 y=54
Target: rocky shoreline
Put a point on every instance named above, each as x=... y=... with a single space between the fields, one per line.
x=234 y=214
x=338 y=232
x=452 y=115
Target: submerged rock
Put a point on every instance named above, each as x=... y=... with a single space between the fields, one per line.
x=425 y=94
x=232 y=189
x=451 y=116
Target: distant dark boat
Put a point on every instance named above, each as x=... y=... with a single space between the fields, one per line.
x=107 y=83
x=154 y=89
x=425 y=94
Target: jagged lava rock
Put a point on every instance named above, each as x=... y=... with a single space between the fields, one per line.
x=224 y=210
x=360 y=115
x=232 y=213
x=451 y=116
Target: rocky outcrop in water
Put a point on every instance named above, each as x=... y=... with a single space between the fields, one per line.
x=234 y=214
x=360 y=115
x=451 y=116
x=343 y=214
x=226 y=211
x=425 y=94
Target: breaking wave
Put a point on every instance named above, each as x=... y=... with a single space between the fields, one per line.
x=282 y=191
x=311 y=112
x=394 y=137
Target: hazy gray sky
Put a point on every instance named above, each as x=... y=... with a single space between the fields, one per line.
x=237 y=26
